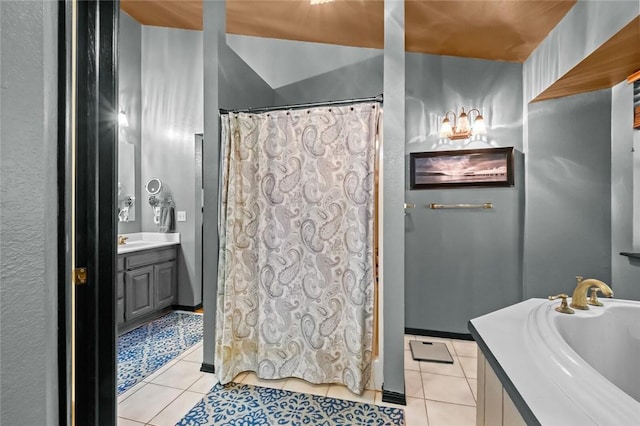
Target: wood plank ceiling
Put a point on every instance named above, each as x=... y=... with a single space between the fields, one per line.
x=504 y=30
x=608 y=65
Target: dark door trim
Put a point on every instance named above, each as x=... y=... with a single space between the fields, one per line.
x=95 y=219
x=64 y=209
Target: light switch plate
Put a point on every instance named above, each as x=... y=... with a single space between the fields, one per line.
x=182 y=216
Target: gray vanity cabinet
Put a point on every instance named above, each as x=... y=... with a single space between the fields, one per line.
x=147 y=285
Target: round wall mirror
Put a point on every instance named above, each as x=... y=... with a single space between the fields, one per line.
x=153 y=186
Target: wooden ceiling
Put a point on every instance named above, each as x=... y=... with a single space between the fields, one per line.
x=185 y=14
x=505 y=30
x=343 y=22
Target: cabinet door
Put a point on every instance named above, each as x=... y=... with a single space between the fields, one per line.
x=120 y=285
x=120 y=311
x=165 y=278
x=120 y=298
x=139 y=292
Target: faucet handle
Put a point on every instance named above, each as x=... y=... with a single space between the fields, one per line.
x=579 y=279
x=593 y=299
x=564 y=307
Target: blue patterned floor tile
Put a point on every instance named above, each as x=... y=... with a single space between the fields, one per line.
x=147 y=348
x=245 y=405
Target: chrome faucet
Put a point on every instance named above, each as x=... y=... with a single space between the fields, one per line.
x=122 y=240
x=579 y=297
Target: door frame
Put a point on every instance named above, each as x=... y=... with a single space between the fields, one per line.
x=87 y=155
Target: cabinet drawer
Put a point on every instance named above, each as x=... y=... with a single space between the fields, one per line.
x=148 y=257
x=120 y=263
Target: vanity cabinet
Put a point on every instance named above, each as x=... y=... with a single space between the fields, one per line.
x=148 y=280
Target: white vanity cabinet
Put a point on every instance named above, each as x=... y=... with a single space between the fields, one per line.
x=147 y=285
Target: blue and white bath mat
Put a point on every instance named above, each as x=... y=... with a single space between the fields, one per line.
x=147 y=348
x=238 y=404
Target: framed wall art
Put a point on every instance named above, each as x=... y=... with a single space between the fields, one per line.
x=462 y=168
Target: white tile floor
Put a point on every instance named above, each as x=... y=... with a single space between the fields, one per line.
x=437 y=394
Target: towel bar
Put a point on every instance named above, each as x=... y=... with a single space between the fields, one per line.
x=461 y=206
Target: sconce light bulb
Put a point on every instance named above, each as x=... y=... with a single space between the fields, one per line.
x=445 y=129
x=463 y=123
x=479 y=127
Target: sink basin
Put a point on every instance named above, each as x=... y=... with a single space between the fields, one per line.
x=148 y=240
x=136 y=244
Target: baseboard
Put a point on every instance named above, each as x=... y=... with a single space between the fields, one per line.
x=433 y=333
x=207 y=368
x=127 y=326
x=187 y=308
x=393 y=397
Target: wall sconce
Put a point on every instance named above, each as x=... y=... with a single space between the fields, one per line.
x=461 y=128
x=122 y=118
x=314 y=2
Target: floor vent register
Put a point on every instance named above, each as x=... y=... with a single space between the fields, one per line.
x=430 y=351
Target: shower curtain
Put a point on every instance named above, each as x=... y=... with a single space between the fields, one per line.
x=295 y=274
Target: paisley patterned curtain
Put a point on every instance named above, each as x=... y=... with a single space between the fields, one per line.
x=295 y=275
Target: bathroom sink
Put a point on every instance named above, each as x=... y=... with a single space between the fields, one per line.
x=148 y=240
x=137 y=244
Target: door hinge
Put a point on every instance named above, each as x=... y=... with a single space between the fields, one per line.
x=80 y=276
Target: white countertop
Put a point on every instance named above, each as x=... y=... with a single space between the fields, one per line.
x=534 y=372
x=148 y=240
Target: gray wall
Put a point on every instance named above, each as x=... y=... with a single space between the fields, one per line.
x=28 y=220
x=282 y=62
x=240 y=86
x=437 y=84
x=568 y=205
x=214 y=29
x=130 y=99
x=172 y=113
x=462 y=263
x=392 y=250
x=625 y=272
x=360 y=80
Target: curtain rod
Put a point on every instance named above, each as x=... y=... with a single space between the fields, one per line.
x=301 y=106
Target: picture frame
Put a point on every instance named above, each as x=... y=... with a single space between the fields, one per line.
x=492 y=167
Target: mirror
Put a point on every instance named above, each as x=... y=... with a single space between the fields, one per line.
x=153 y=186
x=126 y=182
